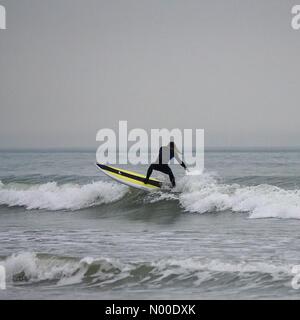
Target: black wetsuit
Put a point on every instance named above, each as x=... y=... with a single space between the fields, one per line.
x=163 y=167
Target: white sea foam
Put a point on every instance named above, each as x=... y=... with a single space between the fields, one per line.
x=52 y=196
x=29 y=267
x=194 y=264
x=160 y=196
x=26 y=266
x=205 y=194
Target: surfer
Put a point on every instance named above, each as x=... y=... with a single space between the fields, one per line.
x=166 y=154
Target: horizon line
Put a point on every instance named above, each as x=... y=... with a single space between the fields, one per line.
x=207 y=148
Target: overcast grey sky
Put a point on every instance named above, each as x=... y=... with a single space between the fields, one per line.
x=71 y=67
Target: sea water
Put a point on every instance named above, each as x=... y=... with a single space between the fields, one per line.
x=69 y=231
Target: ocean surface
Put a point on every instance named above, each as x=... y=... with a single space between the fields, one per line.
x=69 y=232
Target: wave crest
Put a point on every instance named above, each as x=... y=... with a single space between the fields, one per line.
x=197 y=194
x=204 y=194
x=52 y=196
x=28 y=267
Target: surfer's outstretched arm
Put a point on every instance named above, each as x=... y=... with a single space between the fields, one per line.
x=183 y=165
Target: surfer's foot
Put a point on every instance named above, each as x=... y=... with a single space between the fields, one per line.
x=146 y=181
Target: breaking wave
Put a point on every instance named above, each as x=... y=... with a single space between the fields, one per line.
x=28 y=267
x=52 y=196
x=205 y=194
x=195 y=194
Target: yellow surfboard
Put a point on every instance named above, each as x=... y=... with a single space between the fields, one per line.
x=130 y=178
